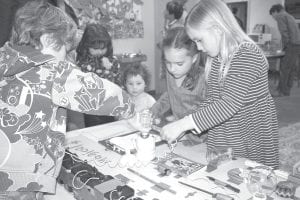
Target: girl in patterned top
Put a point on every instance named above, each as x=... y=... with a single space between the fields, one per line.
x=239 y=111
x=95 y=54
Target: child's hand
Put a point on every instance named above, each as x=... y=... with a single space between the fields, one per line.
x=170 y=118
x=156 y=121
x=106 y=63
x=173 y=130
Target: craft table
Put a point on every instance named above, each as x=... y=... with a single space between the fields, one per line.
x=84 y=142
x=274 y=58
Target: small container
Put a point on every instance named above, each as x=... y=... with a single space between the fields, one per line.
x=145 y=147
x=261 y=182
x=145 y=119
x=218 y=156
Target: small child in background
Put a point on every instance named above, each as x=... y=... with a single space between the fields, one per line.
x=136 y=79
x=184 y=75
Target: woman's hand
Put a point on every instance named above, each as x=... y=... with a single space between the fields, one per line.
x=173 y=130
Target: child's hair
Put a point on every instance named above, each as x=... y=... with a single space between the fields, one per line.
x=134 y=70
x=95 y=36
x=38 y=17
x=276 y=8
x=175 y=8
x=209 y=13
x=178 y=39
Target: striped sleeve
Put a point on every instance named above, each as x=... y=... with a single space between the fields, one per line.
x=246 y=66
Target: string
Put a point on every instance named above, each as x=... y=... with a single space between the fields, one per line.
x=73 y=180
x=75 y=158
x=111 y=198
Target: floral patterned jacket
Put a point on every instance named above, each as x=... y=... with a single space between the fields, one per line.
x=34 y=94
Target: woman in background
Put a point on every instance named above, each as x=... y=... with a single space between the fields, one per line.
x=38 y=85
x=174 y=15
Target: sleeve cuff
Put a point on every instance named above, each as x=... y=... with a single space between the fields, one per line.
x=197 y=130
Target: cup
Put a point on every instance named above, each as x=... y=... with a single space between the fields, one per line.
x=145 y=119
x=261 y=182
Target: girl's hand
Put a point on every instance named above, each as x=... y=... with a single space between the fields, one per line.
x=106 y=63
x=173 y=130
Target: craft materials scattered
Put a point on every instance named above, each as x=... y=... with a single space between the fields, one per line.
x=217 y=196
x=286 y=189
x=162 y=186
x=86 y=182
x=223 y=184
x=177 y=164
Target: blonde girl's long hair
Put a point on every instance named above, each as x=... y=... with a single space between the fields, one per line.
x=209 y=13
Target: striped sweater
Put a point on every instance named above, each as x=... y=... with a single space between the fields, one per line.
x=240 y=112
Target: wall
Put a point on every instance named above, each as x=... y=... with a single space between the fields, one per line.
x=145 y=45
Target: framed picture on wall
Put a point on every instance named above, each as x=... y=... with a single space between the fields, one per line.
x=293 y=7
x=239 y=9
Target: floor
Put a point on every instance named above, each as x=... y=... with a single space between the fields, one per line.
x=288 y=108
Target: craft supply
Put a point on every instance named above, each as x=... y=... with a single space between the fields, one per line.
x=178 y=164
x=145 y=148
x=217 y=156
x=217 y=196
x=286 y=189
x=261 y=182
x=252 y=164
x=224 y=184
x=235 y=175
x=145 y=119
x=159 y=185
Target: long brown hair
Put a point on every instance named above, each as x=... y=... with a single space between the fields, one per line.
x=178 y=39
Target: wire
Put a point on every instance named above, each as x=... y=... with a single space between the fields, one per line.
x=75 y=158
x=73 y=180
x=111 y=198
x=110 y=194
x=173 y=145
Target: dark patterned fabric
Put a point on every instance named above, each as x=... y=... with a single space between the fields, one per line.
x=104 y=67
